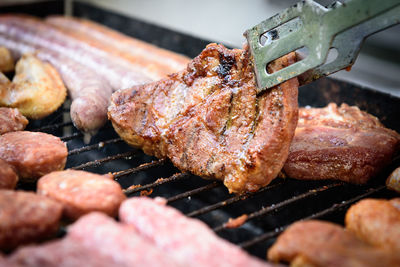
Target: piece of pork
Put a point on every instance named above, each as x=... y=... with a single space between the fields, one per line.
x=209 y=120
x=81 y=192
x=33 y=154
x=342 y=143
x=317 y=243
x=377 y=222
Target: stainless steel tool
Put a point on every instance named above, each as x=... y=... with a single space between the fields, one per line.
x=342 y=26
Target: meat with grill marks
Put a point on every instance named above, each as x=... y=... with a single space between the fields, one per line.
x=342 y=143
x=209 y=120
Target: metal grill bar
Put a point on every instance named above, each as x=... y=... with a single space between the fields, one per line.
x=92 y=147
x=194 y=191
x=274 y=207
x=139 y=168
x=70 y=137
x=230 y=201
x=98 y=162
x=331 y=209
x=52 y=126
x=160 y=181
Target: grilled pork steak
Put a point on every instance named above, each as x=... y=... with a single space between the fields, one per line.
x=342 y=143
x=209 y=120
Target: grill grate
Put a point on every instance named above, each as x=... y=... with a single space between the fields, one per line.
x=209 y=200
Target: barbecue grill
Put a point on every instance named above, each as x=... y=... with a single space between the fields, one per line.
x=270 y=210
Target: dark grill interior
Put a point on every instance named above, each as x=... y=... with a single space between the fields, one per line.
x=271 y=209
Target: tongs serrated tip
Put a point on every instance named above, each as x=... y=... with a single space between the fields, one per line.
x=341 y=27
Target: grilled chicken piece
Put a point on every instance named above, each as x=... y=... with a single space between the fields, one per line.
x=377 y=222
x=33 y=154
x=82 y=192
x=11 y=120
x=340 y=143
x=317 y=243
x=26 y=217
x=6 y=60
x=36 y=89
x=209 y=120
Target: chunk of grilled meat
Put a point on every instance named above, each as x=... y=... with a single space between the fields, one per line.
x=377 y=222
x=317 y=243
x=11 y=120
x=209 y=120
x=342 y=143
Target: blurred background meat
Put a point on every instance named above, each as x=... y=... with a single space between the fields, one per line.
x=8 y=176
x=377 y=222
x=33 y=154
x=11 y=120
x=81 y=192
x=26 y=218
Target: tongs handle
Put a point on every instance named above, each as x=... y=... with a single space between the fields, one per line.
x=308 y=24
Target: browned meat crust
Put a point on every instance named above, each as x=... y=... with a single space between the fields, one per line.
x=209 y=120
x=340 y=143
x=81 y=192
x=11 y=120
x=33 y=154
x=377 y=222
x=8 y=176
x=26 y=217
x=317 y=243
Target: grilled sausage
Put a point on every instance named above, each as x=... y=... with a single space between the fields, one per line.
x=33 y=154
x=117 y=71
x=26 y=217
x=89 y=92
x=157 y=62
x=81 y=192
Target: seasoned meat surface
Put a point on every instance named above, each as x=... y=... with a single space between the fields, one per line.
x=36 y=89
x=187 y=240
x=342 y=143
x=317 y=243
x=377 y=222
x=11 y=120
x=81 y=192
x=26 y=217
x=8 y=176
x=6 y=60
x=209 y=120
x=33 y=154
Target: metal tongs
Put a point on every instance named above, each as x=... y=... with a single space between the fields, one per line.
x=341 y=26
